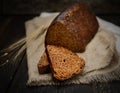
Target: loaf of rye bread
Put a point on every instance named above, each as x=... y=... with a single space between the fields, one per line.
x=73 y=28
x=64 y=63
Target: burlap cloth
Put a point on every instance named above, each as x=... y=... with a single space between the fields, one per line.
x=101 y=65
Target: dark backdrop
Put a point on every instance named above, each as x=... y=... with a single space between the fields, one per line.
x=14 y=14
x=36 y=6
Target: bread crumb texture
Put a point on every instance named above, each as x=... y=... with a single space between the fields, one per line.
x=64 y=63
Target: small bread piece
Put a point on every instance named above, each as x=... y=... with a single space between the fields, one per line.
x=73 y=29
x=43 y=64
x=64 y=63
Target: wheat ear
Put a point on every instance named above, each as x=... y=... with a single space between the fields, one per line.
x=20 y=45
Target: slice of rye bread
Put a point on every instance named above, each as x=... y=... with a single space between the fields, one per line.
x=64 y=63
x=43 y=64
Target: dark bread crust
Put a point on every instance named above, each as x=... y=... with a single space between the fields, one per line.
x=73 y=29
x=43 y=64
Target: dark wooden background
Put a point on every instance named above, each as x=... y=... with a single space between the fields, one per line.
x=13 y=14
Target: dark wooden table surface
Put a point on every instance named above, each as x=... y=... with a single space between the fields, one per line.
x=13 y=76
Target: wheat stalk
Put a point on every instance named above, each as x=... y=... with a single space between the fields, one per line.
x=21 y=45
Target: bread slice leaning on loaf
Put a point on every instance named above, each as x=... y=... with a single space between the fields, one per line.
x=64 y=63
